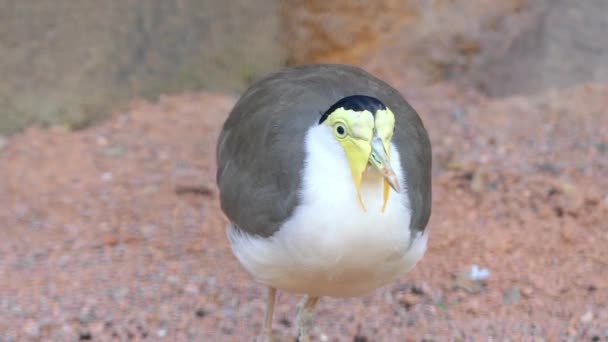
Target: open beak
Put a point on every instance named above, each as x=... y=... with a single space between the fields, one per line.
x=361 y=153
x=380 y=160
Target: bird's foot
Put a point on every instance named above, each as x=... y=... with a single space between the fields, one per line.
x=305 y=318
x=266 y=335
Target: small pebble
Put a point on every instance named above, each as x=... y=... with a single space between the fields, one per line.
x=114 y=151
x=107 y=176
x=200 y=313
x=101 y=140
x=360 y=338
x=478 y=273
x=85 y=336
x=511 y=296
x=421 y=289
x=408 y=300
x=173 y=280
x=587 y=317
x=161 y=332
x=285 y=322
x=527 y=291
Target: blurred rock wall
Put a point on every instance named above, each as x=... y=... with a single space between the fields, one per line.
x=71 y=62
x=501 y=47
x=413 y=42
x=66 y=61
x=565 y=44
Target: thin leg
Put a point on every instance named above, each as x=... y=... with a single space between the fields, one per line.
x=304 y=317
x=266 y=334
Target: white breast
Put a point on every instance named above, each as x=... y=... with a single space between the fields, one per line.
x=330 y=246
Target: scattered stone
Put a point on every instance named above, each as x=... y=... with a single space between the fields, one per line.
x=360 y=338
x=173 y=280
x=200 y=313
x=85 y=336
x=161 y=333
x=114 y=151
x=107 y=176
x=110 y=240
x=462 y=280
x=569 y=233
x=478 y=183
x=527 y=291
x=587 y=317
x=284 y=321
x=201 y=190
x=408 y=300
x=478 y=273
x=511 y=296
x=87 y=314
x=101 y=140
x=419 y=290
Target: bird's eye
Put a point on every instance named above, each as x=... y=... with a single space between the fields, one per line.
x=340 y=131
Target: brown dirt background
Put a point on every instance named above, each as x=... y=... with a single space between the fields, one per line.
x=114 y=232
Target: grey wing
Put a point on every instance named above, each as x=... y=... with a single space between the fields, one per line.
x=260 y=154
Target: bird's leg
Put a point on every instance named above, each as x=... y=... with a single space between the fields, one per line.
x=304 y=317
x=266 y=334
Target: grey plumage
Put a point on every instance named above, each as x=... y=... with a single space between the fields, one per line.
x=260 y=153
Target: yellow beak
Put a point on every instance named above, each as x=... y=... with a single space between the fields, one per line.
x=361 y=153
x=380 y=160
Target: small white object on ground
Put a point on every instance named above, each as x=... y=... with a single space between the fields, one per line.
x=587 y=317
x=161 y=332
x=477 y=273
x=107 y=176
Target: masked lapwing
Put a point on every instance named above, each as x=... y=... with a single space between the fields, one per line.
x=324 y=172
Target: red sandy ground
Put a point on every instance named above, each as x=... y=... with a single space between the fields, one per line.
x=114 y=232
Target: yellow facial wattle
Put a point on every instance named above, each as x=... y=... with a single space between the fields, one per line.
x=366 y=140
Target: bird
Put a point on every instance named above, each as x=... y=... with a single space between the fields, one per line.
x=324 y=175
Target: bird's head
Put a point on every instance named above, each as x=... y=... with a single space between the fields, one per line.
x=364 y=127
